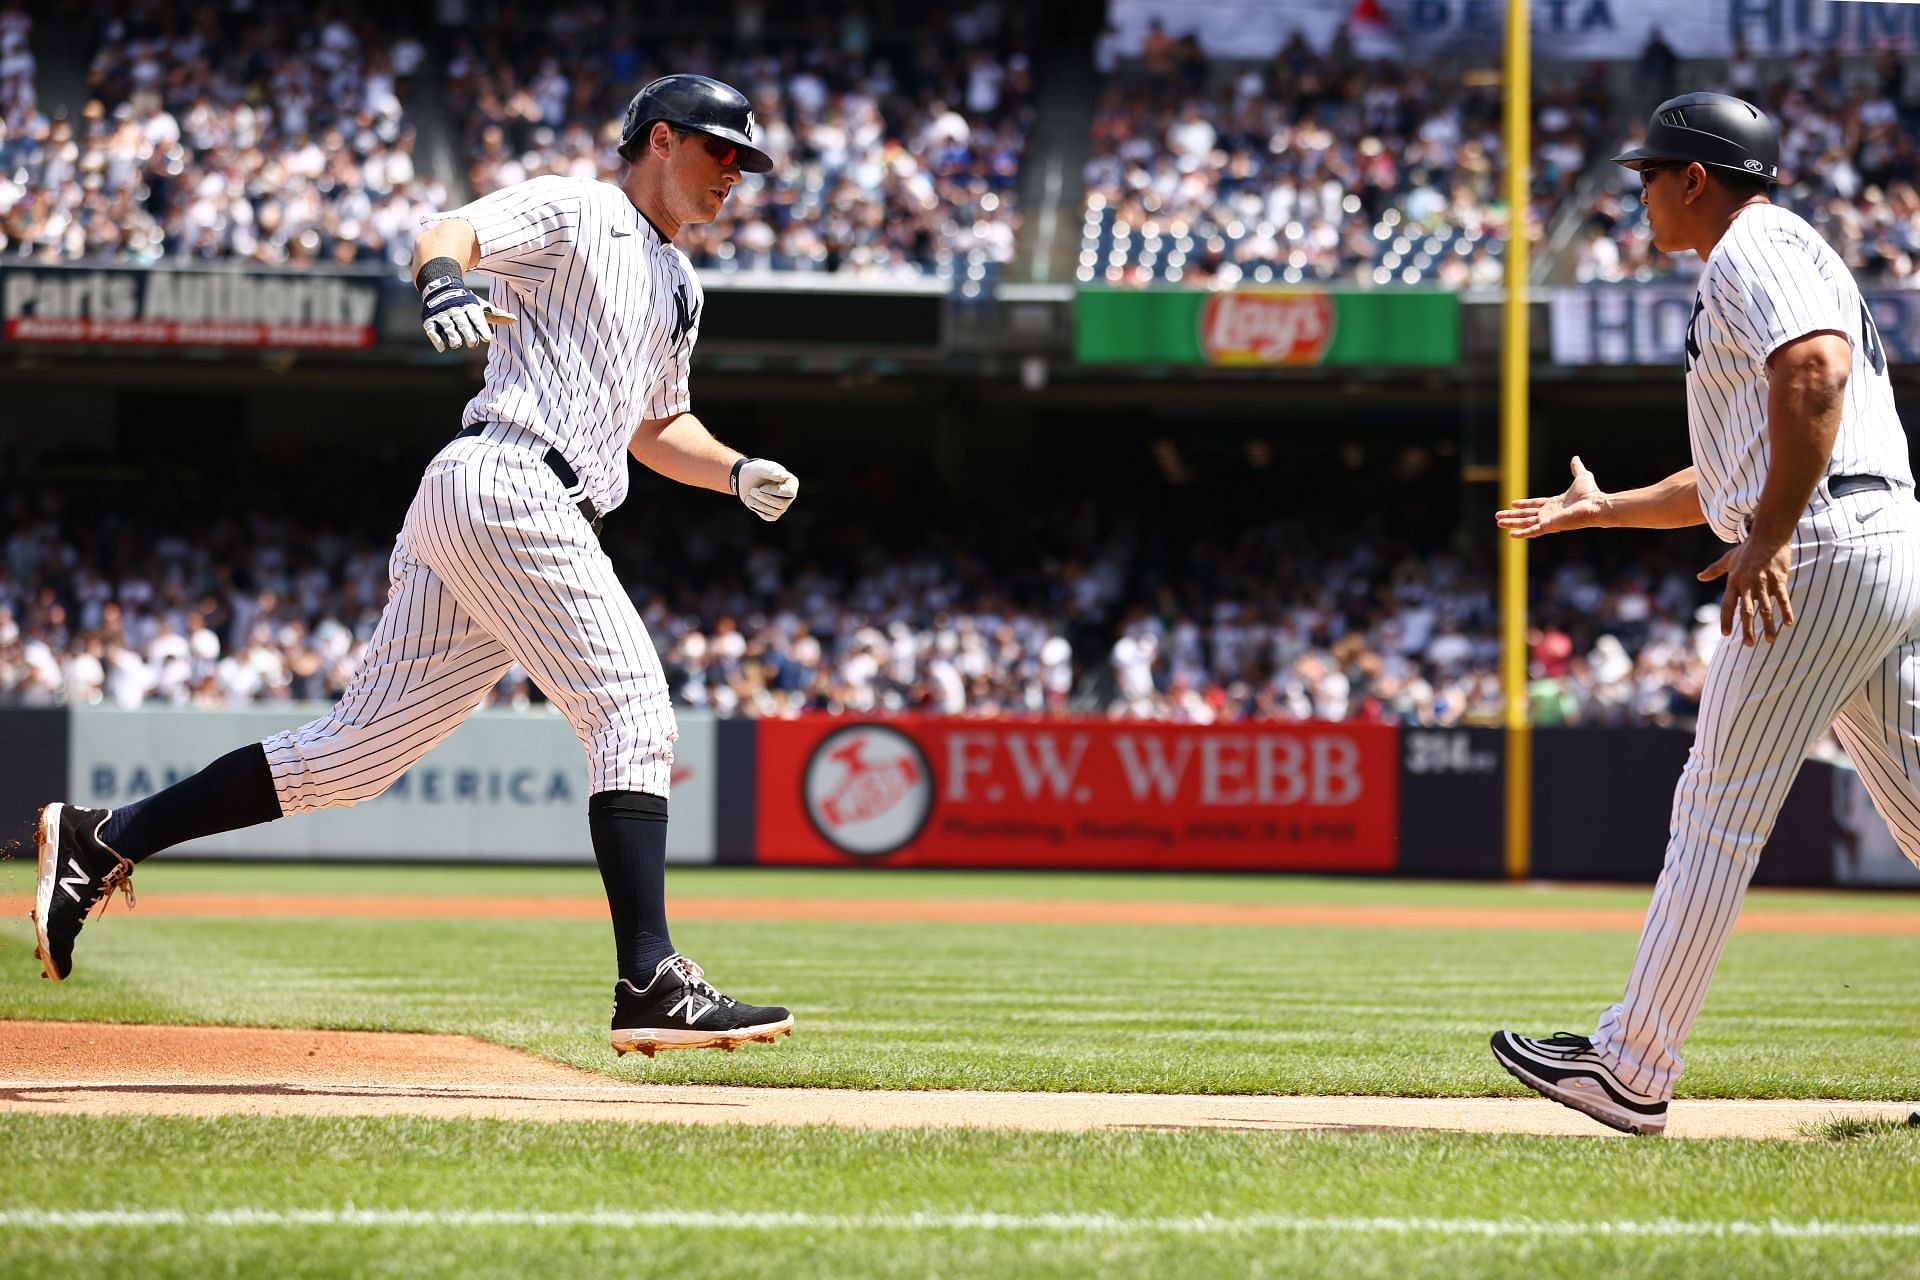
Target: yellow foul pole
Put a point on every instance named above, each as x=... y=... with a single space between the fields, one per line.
x=1513 y=444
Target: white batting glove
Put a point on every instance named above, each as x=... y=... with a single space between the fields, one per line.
x=766 y=487
x=452 y=315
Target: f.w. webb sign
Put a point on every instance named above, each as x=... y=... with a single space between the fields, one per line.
x=1095 y=793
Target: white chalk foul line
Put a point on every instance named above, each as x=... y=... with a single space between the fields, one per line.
x=1040 y=1223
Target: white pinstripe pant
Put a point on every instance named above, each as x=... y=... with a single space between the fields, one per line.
x=1851 y=660
x=495 y=564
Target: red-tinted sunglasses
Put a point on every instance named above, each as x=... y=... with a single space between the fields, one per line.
x=720 y=149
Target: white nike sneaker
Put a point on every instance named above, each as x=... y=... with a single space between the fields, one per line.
x=1566 y=1068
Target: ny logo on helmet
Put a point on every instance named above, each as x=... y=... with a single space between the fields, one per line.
x=748 y=128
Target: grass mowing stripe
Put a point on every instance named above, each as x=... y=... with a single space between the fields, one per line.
x=1034 y=1007
x=1042 y=1223
x=169 y=874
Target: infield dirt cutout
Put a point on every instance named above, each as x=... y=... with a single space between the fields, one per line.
x=90 y=1068
x=54 y=1068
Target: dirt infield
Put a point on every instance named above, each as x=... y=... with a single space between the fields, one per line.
x=61 y=1068
x=1012 y=911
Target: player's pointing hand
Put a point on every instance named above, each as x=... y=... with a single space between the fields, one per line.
x=765 y=486
x=1582 y=506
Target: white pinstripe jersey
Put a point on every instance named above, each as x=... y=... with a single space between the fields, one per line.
x=608 y=314
x=1772 y=279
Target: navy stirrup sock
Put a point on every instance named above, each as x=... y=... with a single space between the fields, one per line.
x=630 y=843
x=234 y=791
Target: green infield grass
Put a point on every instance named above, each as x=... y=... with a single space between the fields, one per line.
x=168 y=1197
x=1057 y=1006
x=867 y=883
x=1321 y=1010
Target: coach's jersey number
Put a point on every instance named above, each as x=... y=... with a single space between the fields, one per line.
x=1869 y=335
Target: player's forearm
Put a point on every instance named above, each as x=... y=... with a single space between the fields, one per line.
x=1673 y=503
x=1805 y=397
x=452 y=238
x=682 y=449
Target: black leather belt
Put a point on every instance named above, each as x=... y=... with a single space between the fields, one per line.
x=558 y=464
x=1841 y=486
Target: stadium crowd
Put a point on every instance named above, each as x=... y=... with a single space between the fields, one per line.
x=1848 y=164
x=282 y=139
x=1319 y=166
x=893 y=159
x=1272 y=626
x=281 y=135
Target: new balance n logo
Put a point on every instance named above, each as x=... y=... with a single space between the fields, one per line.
x=696 y=1007
x=74 y=883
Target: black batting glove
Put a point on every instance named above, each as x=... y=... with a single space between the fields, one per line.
x=451 y=313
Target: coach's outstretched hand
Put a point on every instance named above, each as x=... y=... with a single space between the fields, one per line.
x=766 y=487
x=1582 y=506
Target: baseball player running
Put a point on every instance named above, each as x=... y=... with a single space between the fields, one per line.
x=1800 y=462
x=499 y=559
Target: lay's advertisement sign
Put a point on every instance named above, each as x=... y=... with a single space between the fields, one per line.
x=1268 y=328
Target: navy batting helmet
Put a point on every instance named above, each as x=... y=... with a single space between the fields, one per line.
x=1713 y=129
x=696 y=103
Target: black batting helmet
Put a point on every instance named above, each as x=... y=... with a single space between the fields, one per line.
x=1713 y=129
x=696 y=103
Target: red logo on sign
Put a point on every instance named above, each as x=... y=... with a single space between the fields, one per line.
x=1267 y=328
x=868 y=789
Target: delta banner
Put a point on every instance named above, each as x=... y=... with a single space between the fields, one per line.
x=508 y=786
x=963 y=793
x=1267 y=328
x=1647 y=324
x=1563 y=30
x=213 y=307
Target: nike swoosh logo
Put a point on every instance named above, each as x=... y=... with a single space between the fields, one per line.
x=618 y=232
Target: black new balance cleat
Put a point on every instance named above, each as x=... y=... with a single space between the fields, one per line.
x=76 y=872
x=681 y=1010
x=1566 y=1068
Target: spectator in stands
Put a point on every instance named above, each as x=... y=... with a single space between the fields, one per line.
x=1160 y=55
x=1659 y=64
x=17 y=65
x=1743 y=76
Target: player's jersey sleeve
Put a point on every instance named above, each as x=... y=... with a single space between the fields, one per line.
x=529 y=222
x=669 y=395
x=1770 y=291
